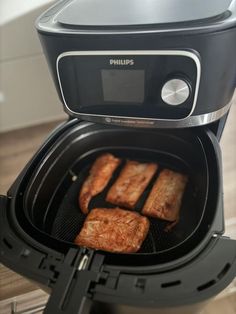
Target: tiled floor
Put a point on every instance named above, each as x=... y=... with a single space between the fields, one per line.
x=17 y=147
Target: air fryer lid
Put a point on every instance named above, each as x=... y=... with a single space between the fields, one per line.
x=137 y=12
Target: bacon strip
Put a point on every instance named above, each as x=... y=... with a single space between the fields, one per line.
x=113 y=230
x=131 y=183
x=99 y=176
x=165 y=198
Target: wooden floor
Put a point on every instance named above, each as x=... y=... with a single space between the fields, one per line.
x=17 y=147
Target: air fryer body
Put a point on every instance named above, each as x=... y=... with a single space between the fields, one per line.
x=40 y=216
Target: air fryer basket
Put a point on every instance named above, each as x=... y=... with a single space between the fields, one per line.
x=69 y=219
x=51 y=199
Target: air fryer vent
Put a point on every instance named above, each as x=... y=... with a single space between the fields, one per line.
x=171 y=284
x=214 y=281
x=206 y=285
x=7 y=243
x=224 y=271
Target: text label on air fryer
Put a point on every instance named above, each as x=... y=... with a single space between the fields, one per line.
x=121 y=62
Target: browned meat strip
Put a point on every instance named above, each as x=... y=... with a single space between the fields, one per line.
x=113 y=230
x=165 y=199
x=131 y=183
x=99 y=176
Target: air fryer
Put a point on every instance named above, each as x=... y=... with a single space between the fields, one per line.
x=146 y=83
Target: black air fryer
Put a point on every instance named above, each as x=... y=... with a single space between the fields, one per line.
x=145 y=80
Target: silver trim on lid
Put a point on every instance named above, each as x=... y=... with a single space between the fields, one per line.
x=191 y=121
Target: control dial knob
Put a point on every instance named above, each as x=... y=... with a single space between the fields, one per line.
x=175 y=92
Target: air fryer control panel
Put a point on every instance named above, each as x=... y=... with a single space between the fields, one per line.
x=155 y=85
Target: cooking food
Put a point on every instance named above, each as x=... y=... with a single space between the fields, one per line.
x=99 y=176
x=165 y=198
x=131 y=183
x=113 y=230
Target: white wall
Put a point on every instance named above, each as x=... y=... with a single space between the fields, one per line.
x=11 y=9
x=27 y=93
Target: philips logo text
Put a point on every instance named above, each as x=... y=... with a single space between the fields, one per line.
x=121 y=62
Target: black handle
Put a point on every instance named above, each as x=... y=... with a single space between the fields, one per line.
x=71 y=293
x=70 y=296
x=79 y=269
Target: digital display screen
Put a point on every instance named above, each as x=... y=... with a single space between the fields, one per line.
x=123 y=86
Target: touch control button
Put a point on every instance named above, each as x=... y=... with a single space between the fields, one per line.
x=175 y=92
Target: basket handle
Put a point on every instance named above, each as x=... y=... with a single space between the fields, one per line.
x=71 y=293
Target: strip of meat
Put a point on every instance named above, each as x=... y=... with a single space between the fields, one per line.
x=99 y=176
x=165 y=198
x=113 y=230
x=131 y=183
